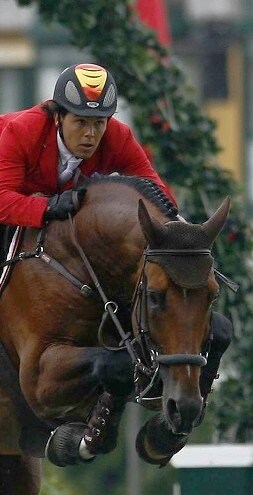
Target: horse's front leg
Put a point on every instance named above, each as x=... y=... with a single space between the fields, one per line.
x=78 y=387
x=156 y=443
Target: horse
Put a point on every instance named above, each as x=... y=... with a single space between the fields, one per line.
x=109 y=306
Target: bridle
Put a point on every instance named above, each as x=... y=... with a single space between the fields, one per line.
x=144 y=355
x=150 y=355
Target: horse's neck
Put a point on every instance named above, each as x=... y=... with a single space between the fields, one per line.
x=109 y=232
x=113 y=247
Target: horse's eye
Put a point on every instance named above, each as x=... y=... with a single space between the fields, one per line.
x=156 y=299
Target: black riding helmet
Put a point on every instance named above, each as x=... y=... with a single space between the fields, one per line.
x=86 y=90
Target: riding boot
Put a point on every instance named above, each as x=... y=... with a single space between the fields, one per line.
x=221 y=331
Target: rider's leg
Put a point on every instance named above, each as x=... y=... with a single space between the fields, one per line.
x=222 y=329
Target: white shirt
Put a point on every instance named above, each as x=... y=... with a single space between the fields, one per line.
x=67 y=164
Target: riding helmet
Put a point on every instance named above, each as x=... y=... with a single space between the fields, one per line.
x=86 y=90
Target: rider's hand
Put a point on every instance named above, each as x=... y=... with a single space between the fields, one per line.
x=60 y=205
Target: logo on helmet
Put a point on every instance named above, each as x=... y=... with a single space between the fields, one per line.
x=92 y=80
x=92 y=104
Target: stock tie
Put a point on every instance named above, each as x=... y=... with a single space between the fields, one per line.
x=68 y=173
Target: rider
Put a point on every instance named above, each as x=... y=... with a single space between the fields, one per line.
x=43 y=150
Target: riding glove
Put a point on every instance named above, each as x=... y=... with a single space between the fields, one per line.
x=60 y=205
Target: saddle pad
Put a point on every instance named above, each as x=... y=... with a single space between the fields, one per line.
x=14 y=245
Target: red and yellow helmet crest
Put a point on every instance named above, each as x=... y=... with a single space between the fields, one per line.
x=92 y=79
x=86 y=89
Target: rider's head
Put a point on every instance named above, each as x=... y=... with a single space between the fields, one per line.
x=86 y=96
x=86 y=90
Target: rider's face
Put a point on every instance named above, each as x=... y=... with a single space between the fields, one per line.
x=82 y=135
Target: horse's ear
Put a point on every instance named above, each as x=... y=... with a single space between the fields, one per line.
x=152 y=229
x=216 y=222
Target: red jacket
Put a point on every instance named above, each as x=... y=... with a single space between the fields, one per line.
x=29 y=163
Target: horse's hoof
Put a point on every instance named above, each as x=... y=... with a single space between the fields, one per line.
x=66 y=445
x=156 y=444
x=143 y=453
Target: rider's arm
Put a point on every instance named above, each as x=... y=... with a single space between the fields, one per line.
x=15 y=207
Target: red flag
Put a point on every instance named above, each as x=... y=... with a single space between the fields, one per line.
x=154 y=14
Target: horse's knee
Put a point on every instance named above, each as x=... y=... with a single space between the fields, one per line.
x=114 y=371
x=222 y=330
x=156 y=444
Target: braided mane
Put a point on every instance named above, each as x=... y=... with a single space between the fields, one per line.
x=147 y=187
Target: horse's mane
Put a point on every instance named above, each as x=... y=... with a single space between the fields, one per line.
x=149 y=189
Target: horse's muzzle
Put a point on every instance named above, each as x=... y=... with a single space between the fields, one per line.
x=182 y=402
x=183 y=414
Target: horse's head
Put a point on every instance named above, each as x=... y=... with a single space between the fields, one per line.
x=178 y=287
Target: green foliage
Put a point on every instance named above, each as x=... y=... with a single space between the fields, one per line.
x=184 y=147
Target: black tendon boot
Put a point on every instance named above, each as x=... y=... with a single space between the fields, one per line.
x=221 y=329
x=155 y=442
x=76 y=442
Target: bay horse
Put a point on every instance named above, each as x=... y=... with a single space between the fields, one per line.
x=108 y=307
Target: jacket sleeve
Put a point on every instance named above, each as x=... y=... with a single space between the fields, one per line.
x=15 y=207
x=134 y=161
